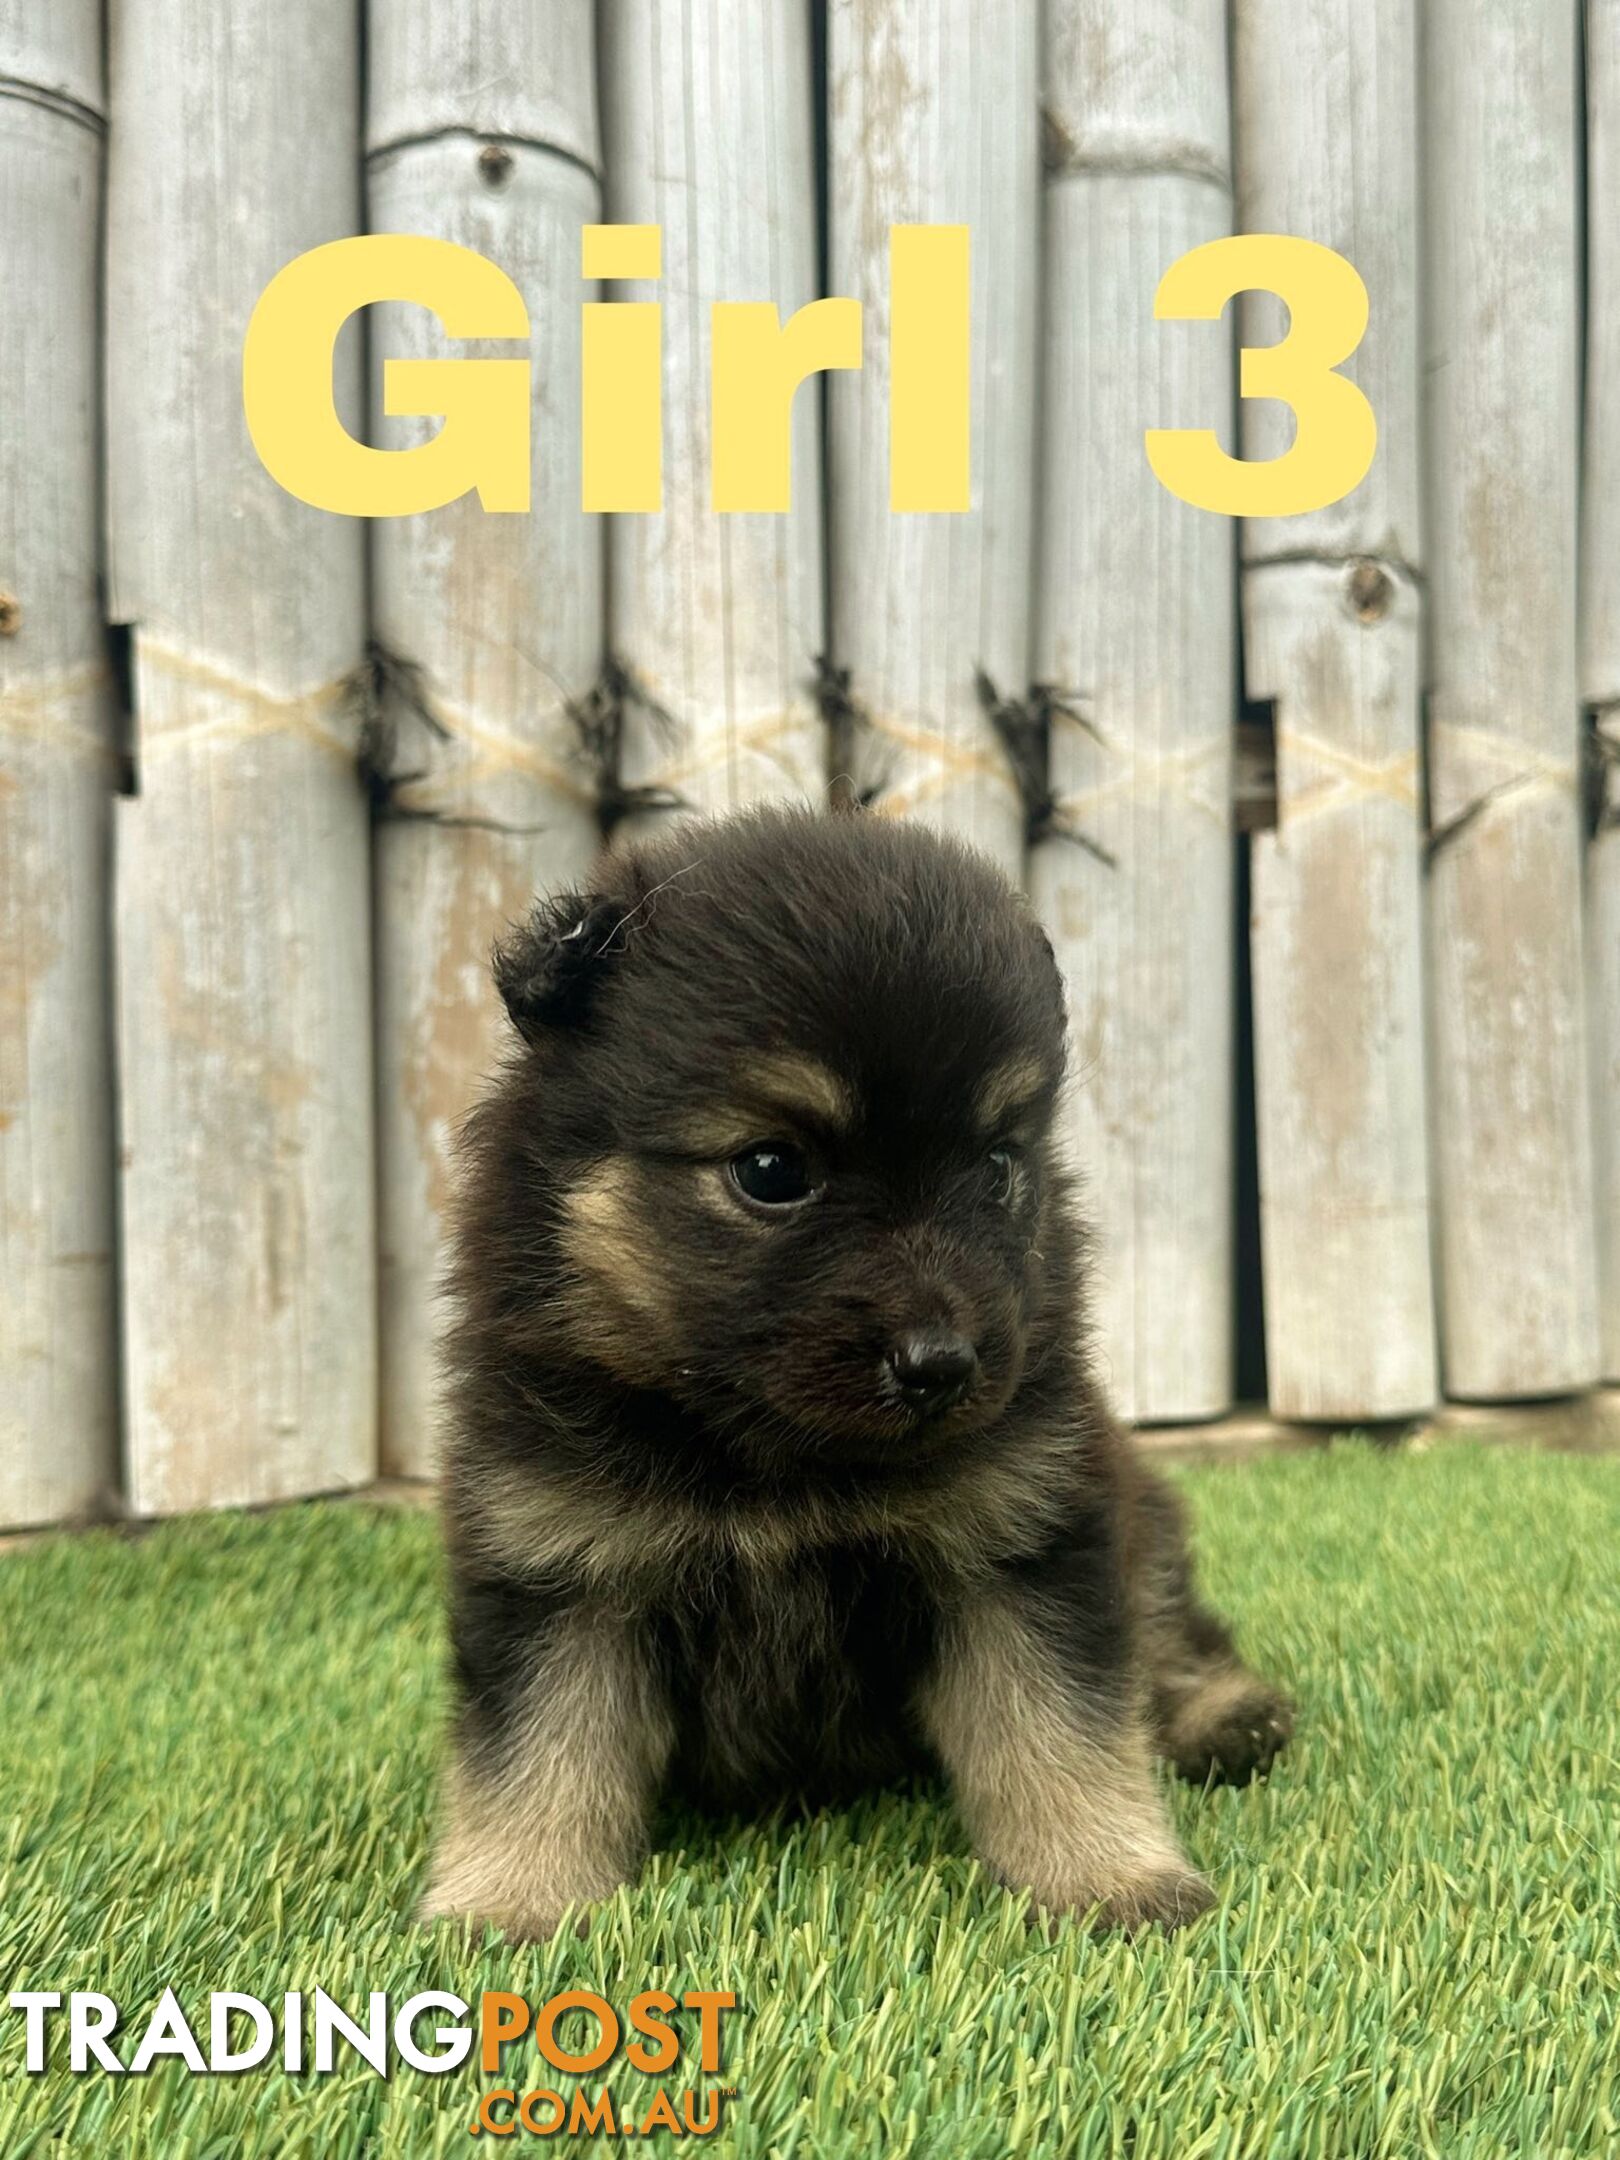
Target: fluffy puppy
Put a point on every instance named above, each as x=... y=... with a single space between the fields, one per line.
x=776 y=1466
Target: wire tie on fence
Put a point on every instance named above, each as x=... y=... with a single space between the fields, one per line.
x=1341 y=779
x=1150 y=770
x=1021 y=728
x=388 y=686
x=757 y=737
x=832 y=688
x=1480 y=752
x=251 y=711
x=944 y=758
x=491 y=751
x=597 y=716
x=30 y=712
x=844 y=717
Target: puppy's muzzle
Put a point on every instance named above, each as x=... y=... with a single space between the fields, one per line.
x=932 y=1370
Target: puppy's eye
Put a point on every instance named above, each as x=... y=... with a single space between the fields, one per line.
x=774 y=1174
x=1002 y=1163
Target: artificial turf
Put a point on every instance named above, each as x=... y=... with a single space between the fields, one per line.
x=220 y=1742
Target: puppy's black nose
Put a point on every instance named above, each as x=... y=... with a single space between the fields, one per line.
x=933 y=1369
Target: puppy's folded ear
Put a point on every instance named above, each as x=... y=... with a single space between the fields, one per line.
x=548 y=970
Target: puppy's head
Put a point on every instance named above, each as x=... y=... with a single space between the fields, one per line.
x=782 y=1108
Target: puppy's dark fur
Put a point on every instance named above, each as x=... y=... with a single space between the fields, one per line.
x=704 y=1529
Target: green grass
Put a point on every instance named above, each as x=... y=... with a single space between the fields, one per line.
x=220 y=1744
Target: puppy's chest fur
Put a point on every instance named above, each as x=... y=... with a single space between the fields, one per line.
x=797 y=1678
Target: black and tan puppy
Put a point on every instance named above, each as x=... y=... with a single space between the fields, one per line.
x=776 y=1465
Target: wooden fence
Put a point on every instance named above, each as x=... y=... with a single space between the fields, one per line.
x=273 y=778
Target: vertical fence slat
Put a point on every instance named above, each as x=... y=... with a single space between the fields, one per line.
x=53 y=53
x=498 y=619
x=519 y=75
x=1135 y=639
x=1600 y=628
x=932 y=119
x=1509 y=1080
x=1332 y=612
x=716 y=618
x=58 y=1391
x=242 y=967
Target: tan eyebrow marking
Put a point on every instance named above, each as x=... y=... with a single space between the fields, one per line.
x=768 y=1089
x=799 y=1085
x=718 y=1129
x=1013 y=1087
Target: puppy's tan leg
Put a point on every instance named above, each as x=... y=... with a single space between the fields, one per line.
x=1212 y=1715
x=551 y=1810
x=1217 y=1719
x=1057 y=1790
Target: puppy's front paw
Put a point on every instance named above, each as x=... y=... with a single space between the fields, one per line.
x=517 y=1922
x=1167 y=1898
x=1231 y=1730
x=522 y=1899
x=1164 y=1893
